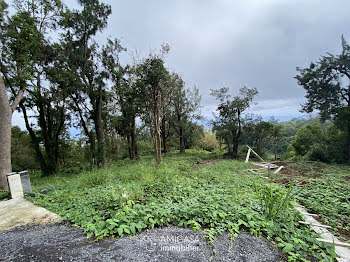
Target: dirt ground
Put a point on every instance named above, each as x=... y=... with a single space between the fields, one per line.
x=65 y=243
x=298 y=172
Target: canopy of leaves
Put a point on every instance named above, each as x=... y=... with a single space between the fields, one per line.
x=327 y=84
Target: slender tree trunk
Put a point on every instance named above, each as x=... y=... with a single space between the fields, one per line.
x=133 y=139
x=349 y=144
x=99 y=133
x=235 y=148
x=158 y=137
x=182 y=140
x=34 y=139
x=5 y=137
x=258 y=146
x=92 y=148
x=181 y=134
x=165 y=146
x=235 y=137
x=164 y=135
x=128 y=138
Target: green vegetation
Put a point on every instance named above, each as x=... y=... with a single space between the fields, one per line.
x=4 y=194
x=193 y=190
x=50 y=61
x=326 y=192
x=273 y=201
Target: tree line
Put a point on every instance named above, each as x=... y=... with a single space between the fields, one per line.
x=52 y=65
x=56 y=74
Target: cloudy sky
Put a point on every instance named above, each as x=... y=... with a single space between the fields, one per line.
x=232 y=43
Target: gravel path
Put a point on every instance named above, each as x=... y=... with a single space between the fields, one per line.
x=65 y=243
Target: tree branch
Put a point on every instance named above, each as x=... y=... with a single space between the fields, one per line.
x=18 y=95
x=17 y=99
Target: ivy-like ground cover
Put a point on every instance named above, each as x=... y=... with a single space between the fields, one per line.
x=186 y=190
x=328 y=195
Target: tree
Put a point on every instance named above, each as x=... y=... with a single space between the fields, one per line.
x=20 y=43
x=306 y=137
x=43 y=17
x=84 y=61
x=276 y=135
x=126 y=95
x=167 y=124
x=186 y=103
x=152 y=78
x=327 y=83
x=228 y=124
x=262 y=131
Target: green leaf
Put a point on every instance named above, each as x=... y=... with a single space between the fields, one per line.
x=120 y=231
x=287 y=248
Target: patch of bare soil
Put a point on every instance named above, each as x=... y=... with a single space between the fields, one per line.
x=301 y=172
x=207 y=162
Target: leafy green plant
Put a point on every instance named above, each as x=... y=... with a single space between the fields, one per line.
x=4 y=194
x=273 y=201
x=186 y=190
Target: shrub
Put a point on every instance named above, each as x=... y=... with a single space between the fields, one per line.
x=273 y=200
x=318 y=153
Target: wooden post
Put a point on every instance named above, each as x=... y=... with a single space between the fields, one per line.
x=256 y=154
x=248 y=155
x=336 y=243
x=278 y=170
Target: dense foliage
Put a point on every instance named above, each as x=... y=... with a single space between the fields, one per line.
x=192 y=190
x=327 y=84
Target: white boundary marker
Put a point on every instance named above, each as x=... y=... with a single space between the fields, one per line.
x=325 y=235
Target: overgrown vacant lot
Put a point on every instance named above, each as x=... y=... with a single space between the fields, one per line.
x=192 y=190
x=325 y=191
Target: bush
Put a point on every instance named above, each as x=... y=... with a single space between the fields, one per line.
x=306 y=137
x=318 y=153
x=4 y=194
x=208 y=142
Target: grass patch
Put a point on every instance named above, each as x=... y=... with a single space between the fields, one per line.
x=186 y=190
x=4 y=194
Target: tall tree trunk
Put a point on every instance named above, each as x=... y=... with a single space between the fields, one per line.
x=349 y=144
x=165 y=146
x=6 y=111
x=99 y=133
x=235 y=138
x=258 y=146
x=158 y=142
x=133 y=139
x=164 y=135
x=235 y=148
x=181 y=134
x=131 y=154
x=5 y=137
x=182 y=140
x=35 y=141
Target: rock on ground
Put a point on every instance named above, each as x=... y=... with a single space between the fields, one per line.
x=65 y=243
